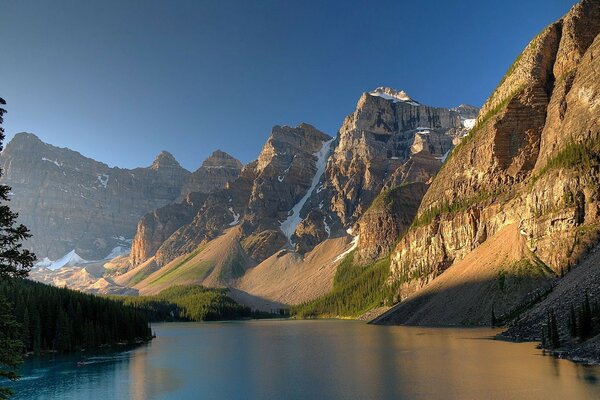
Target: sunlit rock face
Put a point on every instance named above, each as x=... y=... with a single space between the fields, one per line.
x=389 y=140
x=214 y=174
x=517 y=166
x=260 y=200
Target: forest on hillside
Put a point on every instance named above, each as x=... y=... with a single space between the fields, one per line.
x=63 y=320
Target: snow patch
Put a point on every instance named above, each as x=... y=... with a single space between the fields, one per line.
x=236 y=217
x=45 y=263
x=394 y=95
x=103 y=179
x=353 y=245
x=468 y=123
x=288 y=227
x=117 y=251
x=327 y=229
x=55 y=162
x=444 y=157
x=280 y=178
x=70 y=259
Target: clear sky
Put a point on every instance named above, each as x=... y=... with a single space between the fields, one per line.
x=120 y=81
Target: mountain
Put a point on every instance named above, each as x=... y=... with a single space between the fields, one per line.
x=213 y=174
x=273 y=231
x=73 y=203
x=515 y=206
x=275 y=234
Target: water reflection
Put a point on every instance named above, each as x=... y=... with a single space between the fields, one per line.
x=313 y=359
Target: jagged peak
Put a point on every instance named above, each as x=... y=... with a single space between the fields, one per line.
x=396 y=96
x=221 y=159
x=301 y=129
x=22 y=136
x=164 y=159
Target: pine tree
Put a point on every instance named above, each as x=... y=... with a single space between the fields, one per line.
x=585 y=319
x=15 y=262
x=554 y=334
x=494 y=320
x=11 y=346
x=572 y=322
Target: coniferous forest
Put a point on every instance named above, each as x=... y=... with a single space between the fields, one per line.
x=63 y=320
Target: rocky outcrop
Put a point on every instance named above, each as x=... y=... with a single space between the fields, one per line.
x=157 y=226
x=264 y=200
x=214 y=174
x=389 y=140
x=530 y=160
x=389 y=216
x=71 y=202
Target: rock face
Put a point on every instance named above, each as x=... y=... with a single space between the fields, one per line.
x=389 y=216
x=71 y=202
x=214 y=174
x=260 y=201
x=530 y=160
x=389 y=140
x=306 y=187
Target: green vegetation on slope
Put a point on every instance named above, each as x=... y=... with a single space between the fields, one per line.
x=446 y=207
x=356 y=289
x=63 y=320
x=191 y=303
x=579 y=155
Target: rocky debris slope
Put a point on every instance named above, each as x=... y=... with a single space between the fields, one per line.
x=531 y=160
x=496 y=278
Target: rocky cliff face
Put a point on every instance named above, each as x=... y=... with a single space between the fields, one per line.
x=71 y=202
x=306 y=187
x=530 y=160
x=261 y=200
x=214 y=174
x=389 y=140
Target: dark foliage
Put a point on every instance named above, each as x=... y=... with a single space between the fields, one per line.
x=356 y=289
x=63 y=320
x=194 y=303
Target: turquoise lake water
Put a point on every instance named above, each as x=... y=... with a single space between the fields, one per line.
x=311 y=360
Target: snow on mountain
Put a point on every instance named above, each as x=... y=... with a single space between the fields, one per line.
x=118 y=251
x=469 y=123
x=71 y=259
x=288 y=227
x=396 y=96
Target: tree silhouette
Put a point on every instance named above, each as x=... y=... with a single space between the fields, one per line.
x=15 y=262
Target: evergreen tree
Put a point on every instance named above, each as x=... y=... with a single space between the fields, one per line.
x=14 y=262
x=494 y=320
x=11 y=346
x=572 y=322
x=554 y=334
x=585 y=319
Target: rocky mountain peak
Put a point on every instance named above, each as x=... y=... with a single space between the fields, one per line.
x=23 y=140
x=466 y=111
x=165 y=160
x=220 y=159
x=393 y=94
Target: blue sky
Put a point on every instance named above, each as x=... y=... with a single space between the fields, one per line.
x=120 y=81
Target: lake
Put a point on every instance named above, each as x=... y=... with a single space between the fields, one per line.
x=311 y=360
